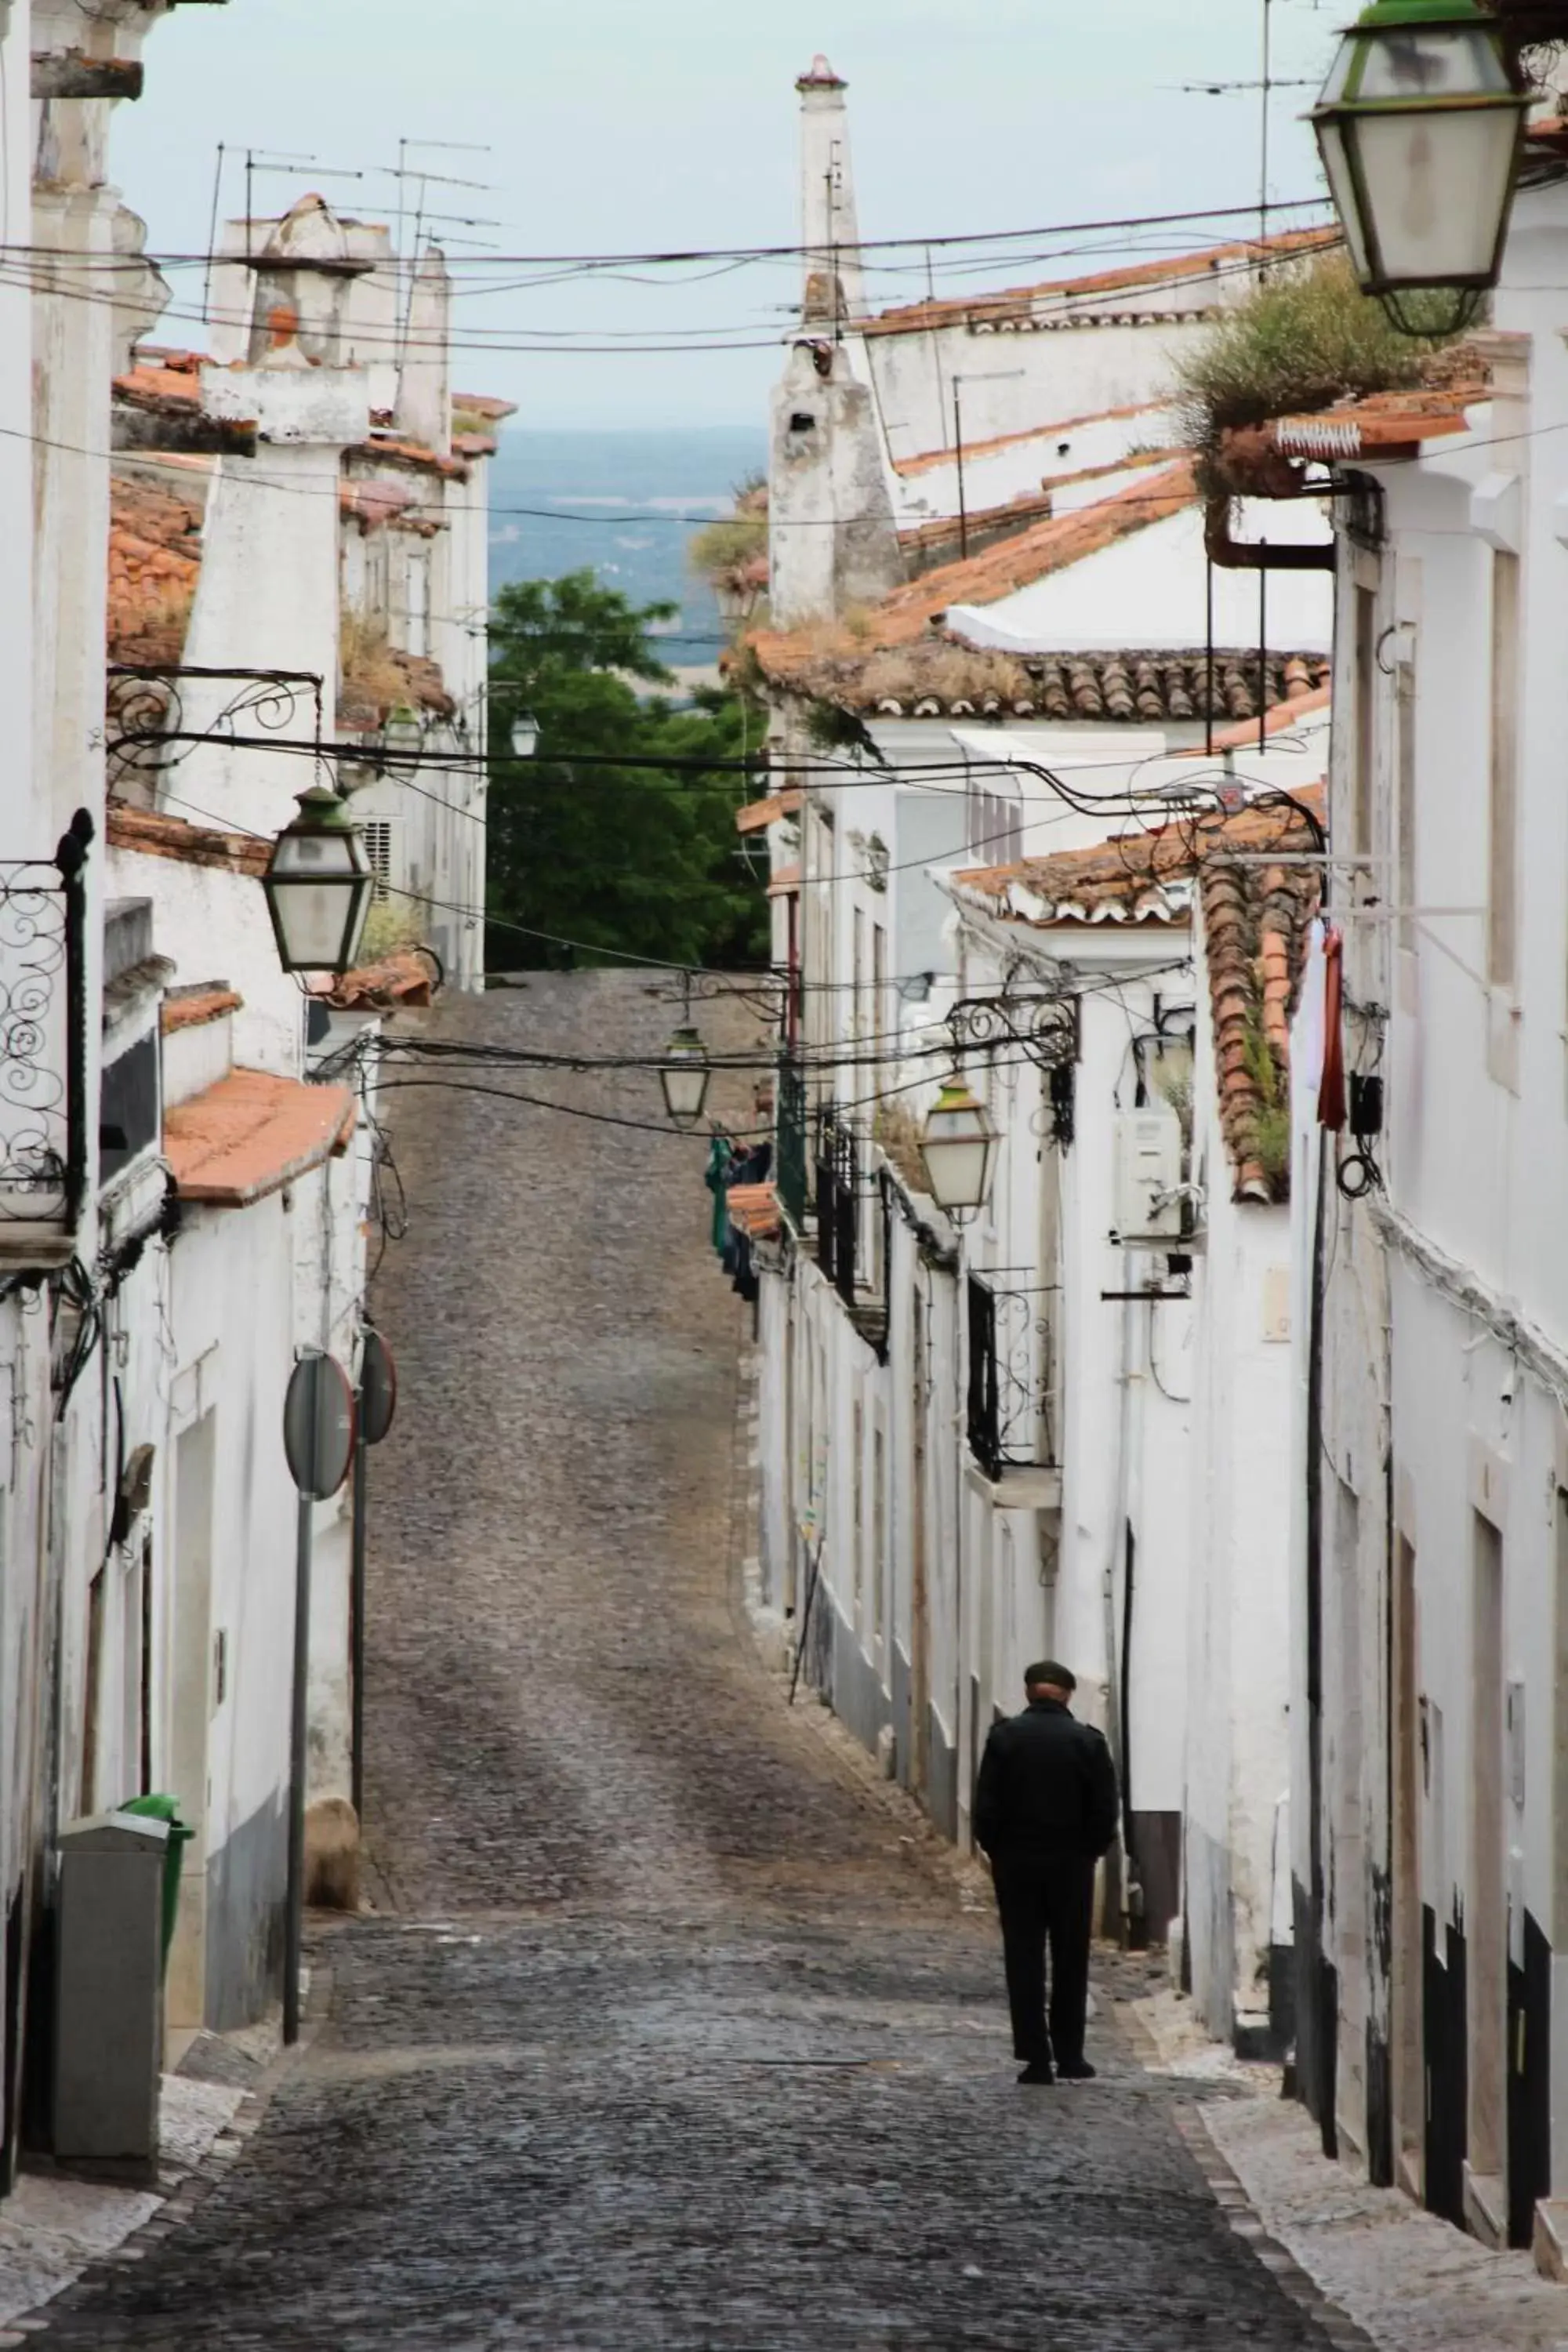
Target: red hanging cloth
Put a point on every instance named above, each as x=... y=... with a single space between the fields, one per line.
x=1331 y=1085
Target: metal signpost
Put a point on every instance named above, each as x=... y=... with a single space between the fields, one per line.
x=319 y=1440
x=377 y=1407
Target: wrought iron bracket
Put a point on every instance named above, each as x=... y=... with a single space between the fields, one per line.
x=149 y=712
x=1045 y=1028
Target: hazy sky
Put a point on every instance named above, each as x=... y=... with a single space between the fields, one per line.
x=619 y=126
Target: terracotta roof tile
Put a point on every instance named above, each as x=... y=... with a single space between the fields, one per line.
x=754 y=1208
x=1014 y=303
x=1254 y=920
x=408 y=977
x=830 y=657
x=152 y=834
x=928 y=460
x=1306 y=690
x=154 y=564
x=251 y=1134
x=756 y=814
x=392 y=448
x=195 y=1008
x=157 y=376
x=1378 y=423
x=483 y=404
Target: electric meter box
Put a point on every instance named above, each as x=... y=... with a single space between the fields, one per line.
x=109 y=1993
x=1148 y=1174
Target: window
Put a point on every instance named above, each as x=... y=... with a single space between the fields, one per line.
x=416 y=618
x=1502 y=812
x=1404 y=702
x=859 y=1510
x=859 y=999
x=377 y=830
x=878 y=1000
x=878 y=1529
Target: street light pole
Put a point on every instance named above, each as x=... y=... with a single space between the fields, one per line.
x=294 y=1906
x=356 y=1622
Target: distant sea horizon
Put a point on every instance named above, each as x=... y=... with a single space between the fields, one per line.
x=616 y=502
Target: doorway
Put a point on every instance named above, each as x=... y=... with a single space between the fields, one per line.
x=190 y=1713
x=1409 y=2101
x=919 y=1749
x=1488 y=1891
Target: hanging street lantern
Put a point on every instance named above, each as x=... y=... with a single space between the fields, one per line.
x=319 y=884
x=736 y=597
x=684 y=1075
x=1420 y=124
x=402 y=735
x=958 y=1147
x=524 y=735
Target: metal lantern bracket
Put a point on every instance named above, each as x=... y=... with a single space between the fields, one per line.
x=1045 y=1028
x=150 y=712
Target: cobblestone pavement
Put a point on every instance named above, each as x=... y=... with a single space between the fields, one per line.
x=678 y=2033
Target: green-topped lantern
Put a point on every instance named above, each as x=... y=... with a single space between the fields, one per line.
x=319 y=883
x=958 y=1147
x=1419 y=125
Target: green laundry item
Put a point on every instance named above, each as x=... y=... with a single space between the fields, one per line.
x=714 y=1177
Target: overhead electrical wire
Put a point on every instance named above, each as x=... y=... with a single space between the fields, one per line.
x=945 y=241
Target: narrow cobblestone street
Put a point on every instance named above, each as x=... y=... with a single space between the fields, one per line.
x=671 y=2030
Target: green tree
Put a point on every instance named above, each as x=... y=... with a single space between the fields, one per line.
x=626 y=854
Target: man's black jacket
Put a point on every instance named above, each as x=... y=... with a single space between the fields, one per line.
x=1046 y=1786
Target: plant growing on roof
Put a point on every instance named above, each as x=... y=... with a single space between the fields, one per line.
x=369 y=670
x=724 y=551
x=1302 y=339
x=1271 y=1119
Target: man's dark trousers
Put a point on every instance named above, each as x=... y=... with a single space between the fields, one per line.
x=1040 y=1895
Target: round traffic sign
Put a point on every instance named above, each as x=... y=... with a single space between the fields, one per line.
x=377 y=1389
x=318 y=1426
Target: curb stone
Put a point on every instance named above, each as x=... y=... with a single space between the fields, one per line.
x=193 y=2188
x=1238 y=2209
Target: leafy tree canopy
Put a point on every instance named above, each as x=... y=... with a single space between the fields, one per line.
x=628 y=857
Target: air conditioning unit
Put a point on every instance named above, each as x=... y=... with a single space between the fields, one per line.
x=1148 y=1174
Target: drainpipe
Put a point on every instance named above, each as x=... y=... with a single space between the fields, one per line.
x=1253 y=555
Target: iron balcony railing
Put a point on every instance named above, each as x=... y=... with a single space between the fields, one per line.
x=837 y=1204
x=1011 y=1401
x=853 y=1220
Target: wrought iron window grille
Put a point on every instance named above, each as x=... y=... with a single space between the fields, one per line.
x=854 y=1227
x=1010 y=1396
x=43 y=1035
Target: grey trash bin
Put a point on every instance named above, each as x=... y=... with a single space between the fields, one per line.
x=109 y=1993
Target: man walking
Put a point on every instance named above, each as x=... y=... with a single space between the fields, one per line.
x=1045 y=1808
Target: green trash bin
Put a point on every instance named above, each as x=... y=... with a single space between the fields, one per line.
x=165 y=1809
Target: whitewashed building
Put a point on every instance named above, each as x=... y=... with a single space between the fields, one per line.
x=995 y=666
x=1428 y=1727
x=198 y=625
